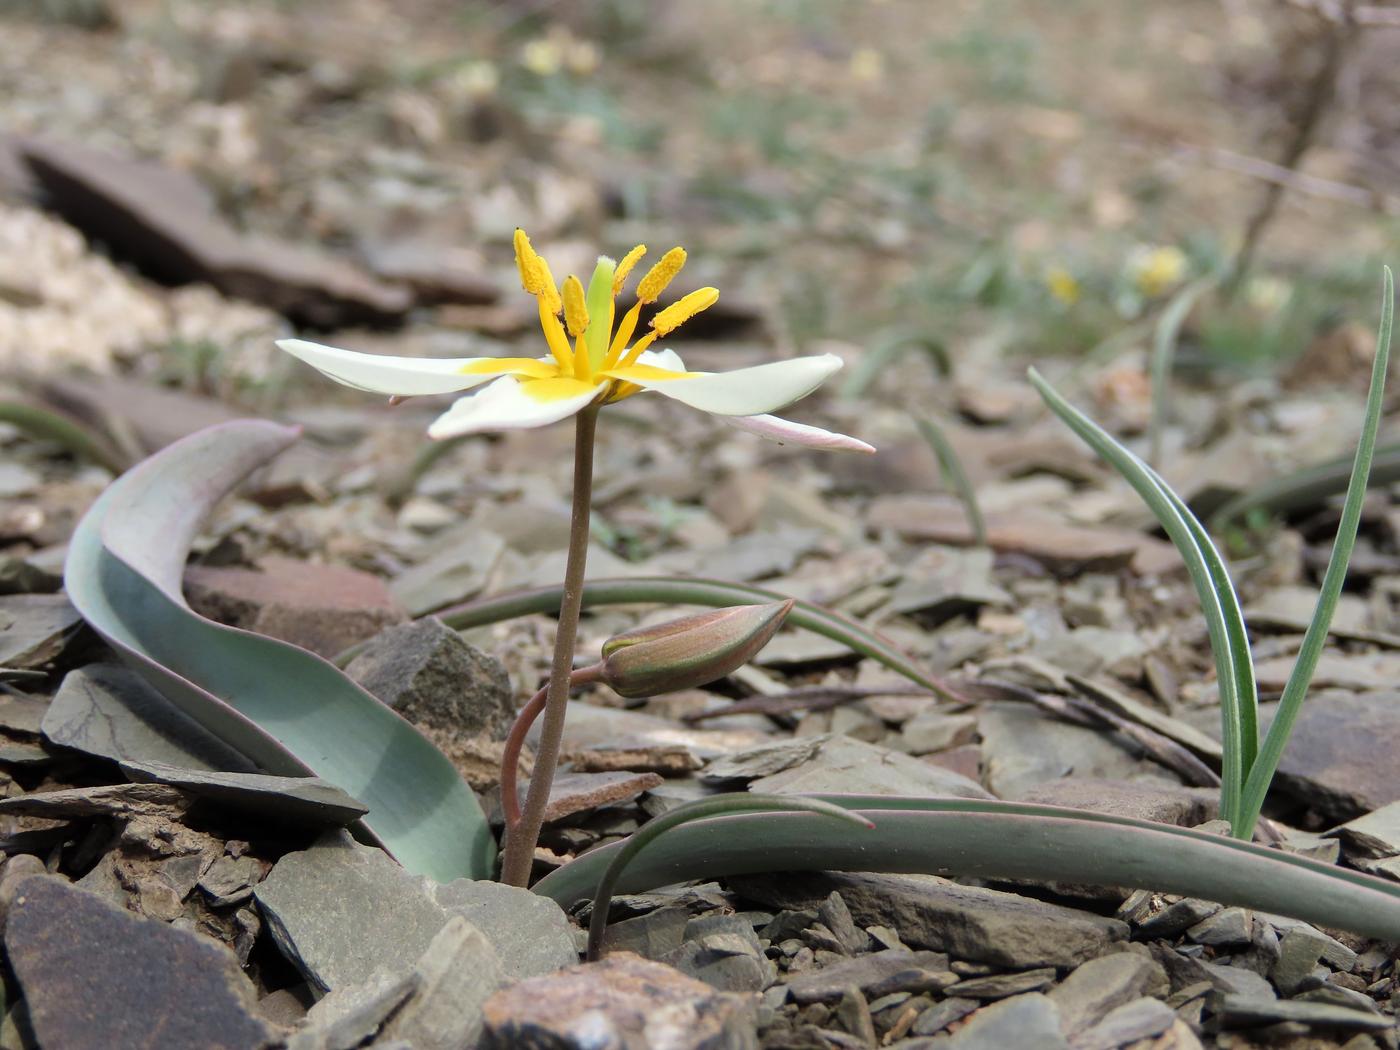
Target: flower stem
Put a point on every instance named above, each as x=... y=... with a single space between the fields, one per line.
x=521 y=839
x=515 y=741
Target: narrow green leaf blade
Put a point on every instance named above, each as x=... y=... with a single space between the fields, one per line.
x=1234 y=664
x=1261 y=775
x=286 y=709
x=678 y=590
x=999 y=840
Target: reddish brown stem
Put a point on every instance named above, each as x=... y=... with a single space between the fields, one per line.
x=510 y=757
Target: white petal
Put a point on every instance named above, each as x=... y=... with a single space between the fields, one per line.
x=747 y=391
x=503 y=406
x=785 y=431
x=382 y=374
x=663 y=358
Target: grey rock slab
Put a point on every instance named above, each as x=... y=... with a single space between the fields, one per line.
x=1126 y=1025
x=623 y=1002
x=941 y=1014
x=1227 y=928
x=1236 y=1011
x=351 y=1015
x=325 y=904
x=652 y=935
x=429 y=674
x=108 y=800
x=1340 y=758
x=1157 y=800
x=761 y=761
x=1022 y=748
x=1178 y=917
x=839 y=764
x=456 y=975
x=1025 y=1022
x=967 y=922
x=1099 y=986
x=1003 y=985
x=35 y=628
x=1377 y=834
x=294 y=800
x=876 y=974
x=96 y=977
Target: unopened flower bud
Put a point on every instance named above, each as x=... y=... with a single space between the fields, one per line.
x=691 y=651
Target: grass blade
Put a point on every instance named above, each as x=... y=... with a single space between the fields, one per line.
x=1000 y=840
x=1164 y=339
x=1234 y=666
x=955 y=477
x=723 y=805
x=678 y=590
x=1296 y=688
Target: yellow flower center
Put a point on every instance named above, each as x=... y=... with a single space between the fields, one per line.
x=601 y=357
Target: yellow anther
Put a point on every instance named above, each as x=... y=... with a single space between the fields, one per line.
x=535 y=277
x=625 y=267
x=575 y=311
x=675 y=315
x=660 y=275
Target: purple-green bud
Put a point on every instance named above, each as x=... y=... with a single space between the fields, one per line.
x=691 y=651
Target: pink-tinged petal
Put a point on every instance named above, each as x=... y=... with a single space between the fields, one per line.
x=383 y=374
x=745 y=391
x=505 y=405
x=785 y=432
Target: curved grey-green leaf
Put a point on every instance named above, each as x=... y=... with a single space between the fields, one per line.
x=288 y=710
x=999 y=840
x=1229 y=643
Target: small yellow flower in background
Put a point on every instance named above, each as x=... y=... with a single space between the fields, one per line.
x=557 y=50
x=867 y=65
x=1157 y=270
x=1268 y=295
x=1062 y=285
x=593 y=359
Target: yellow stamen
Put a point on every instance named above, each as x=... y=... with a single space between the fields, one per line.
x=624 y=333
x=681 y=311
x=660 y=275
x=582 y=365
x=557 y=340
x=575 y=310
x=535 y=277
x=636 y=351
x=625 y=267
x=649 y=372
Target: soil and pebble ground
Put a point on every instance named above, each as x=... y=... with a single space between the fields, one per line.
x=989 y=184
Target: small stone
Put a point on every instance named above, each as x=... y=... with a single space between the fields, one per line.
x=1178 y=917
x=1338 y=759
x=837 y=764
x=1026 y=1022
x=1375 y=835
x=1227 y=928
x=572 y=793
x=967 y=922
x=1235 y=1011
x=96 y=977
x=107 y=711
x=651 y=936
x=1002 y=985
x=294 y=800
x=322 y=608
x=837 y=918
x=853 y=1014
x=876 y=974
x=35 y=628
x=1023 y=748
x=623 y=1001
x=429 y=674
x=1126 y=1025
x=1099 y=986
x=941 y=1014
x=455 y=975
x=325 y=904
x=786 y=924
